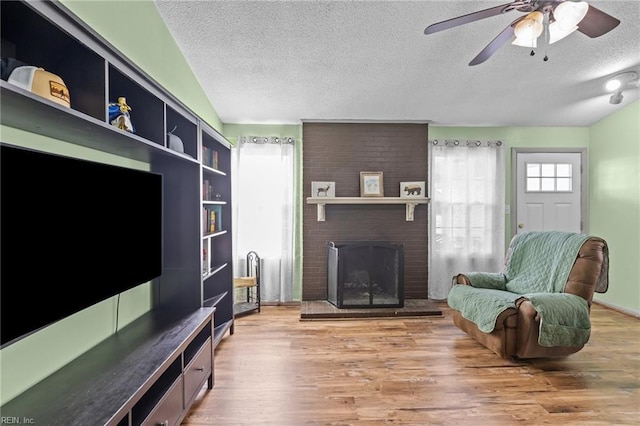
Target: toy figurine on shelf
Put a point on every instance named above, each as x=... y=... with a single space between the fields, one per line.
x=119 y=115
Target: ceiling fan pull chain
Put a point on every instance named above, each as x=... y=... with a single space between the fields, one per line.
x=533 y=46
x=546 y=40
x=546 y=34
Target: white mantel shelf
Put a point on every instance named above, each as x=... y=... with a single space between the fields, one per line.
x=410 y=203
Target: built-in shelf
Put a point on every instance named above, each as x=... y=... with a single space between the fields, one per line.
x=410 y=203
x=213 y=271
x=212 y=170
x=215 y=234
x=221 y=330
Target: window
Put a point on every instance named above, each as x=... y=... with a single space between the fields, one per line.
x=549 y=177
x=263 y=195
x=467 y=211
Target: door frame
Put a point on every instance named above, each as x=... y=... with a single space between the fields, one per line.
x=584 y=182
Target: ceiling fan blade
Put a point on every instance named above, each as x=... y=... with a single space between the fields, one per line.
x=472 y=17
x=597 y=23
x=496 y=43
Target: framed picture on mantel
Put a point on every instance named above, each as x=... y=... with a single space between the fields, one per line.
x=323 y=189
x=371 y=184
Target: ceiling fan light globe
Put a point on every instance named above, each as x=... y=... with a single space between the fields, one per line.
x=525 y=43
x=530 y=27
x=568 y=14
x=557 y=32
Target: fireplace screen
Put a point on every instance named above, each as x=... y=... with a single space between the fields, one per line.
x=365 y=274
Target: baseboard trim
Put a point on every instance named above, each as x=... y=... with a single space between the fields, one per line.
x=617 y=308
x=294 y=303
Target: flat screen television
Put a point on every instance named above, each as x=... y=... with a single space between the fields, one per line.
x=73 y=233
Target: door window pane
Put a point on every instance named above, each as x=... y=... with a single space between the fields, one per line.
x=563 y=170
x=533 y=169
x=549 y=177
x=533 y=184
x=548 y=184
x=548 y=170
x=563 y=184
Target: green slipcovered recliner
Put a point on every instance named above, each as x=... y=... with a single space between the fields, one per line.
x=539 y=305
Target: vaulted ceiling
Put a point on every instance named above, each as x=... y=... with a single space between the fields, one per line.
x=284 y=62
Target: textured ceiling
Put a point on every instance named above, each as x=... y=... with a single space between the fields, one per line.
x=285 y=62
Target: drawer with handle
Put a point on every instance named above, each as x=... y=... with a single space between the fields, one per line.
x=197 y=371
x=169 y=409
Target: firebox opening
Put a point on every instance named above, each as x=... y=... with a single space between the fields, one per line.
x=365 y=274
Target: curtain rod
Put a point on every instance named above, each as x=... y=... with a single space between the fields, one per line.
x=265 y=139
x=469 y=142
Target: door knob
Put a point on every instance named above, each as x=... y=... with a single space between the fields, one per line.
x=521 y=225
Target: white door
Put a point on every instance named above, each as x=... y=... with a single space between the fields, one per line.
x=549 y=192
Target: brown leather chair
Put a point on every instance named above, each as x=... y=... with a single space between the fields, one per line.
x=516 y=331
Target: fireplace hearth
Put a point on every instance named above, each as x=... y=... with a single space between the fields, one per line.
x=365 y=274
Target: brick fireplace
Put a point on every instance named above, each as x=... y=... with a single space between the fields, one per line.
x=338 y=152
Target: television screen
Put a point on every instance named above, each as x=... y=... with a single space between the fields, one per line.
x=73 y=233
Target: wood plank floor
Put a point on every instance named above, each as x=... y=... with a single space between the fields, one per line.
x=279 y=370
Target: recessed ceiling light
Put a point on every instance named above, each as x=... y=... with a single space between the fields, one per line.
x=619 y=81
x=618 y=84
x=612 y=85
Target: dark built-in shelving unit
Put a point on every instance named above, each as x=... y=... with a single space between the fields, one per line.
x=192 y=299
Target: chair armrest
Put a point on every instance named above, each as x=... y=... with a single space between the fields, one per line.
x=489 y=280
x=461 y=279
x=527 y=311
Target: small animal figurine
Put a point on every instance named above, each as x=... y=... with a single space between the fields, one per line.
x=324 y=191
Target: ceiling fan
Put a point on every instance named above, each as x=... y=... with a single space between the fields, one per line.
x=552 y=19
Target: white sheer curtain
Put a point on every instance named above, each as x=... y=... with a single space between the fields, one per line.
x=466 y=230
x=263 y=191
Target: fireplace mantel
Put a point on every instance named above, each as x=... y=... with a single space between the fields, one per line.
x=410 y=203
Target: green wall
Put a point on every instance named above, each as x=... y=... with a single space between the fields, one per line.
x=614 y=207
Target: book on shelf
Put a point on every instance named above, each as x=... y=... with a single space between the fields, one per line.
x=205 y=261
x=205 y=220
x=205 y=156
x=209 y=157
x=207 y=190
x=211 y=219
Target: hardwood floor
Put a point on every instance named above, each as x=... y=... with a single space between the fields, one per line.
x=279 y=370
